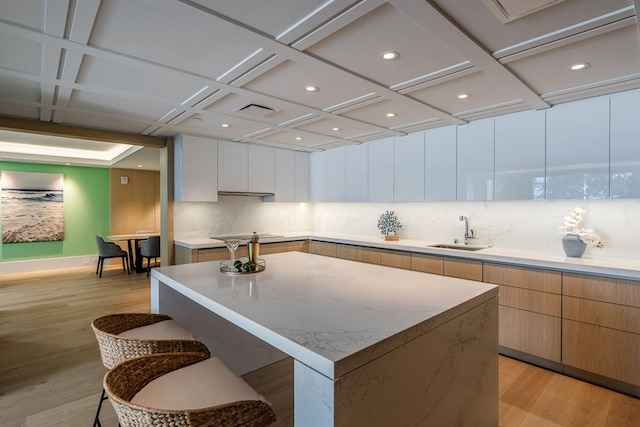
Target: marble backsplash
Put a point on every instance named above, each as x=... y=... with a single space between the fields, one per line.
x=532 y=225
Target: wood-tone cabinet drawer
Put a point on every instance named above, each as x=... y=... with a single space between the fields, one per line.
x=298 y=246
x=322 y=248
x=603 y=351
x=614 y=316
x=527 y=278
x=615 y=291
x=272 y=248
x=539 y=302
x=213 y=254
x=369 y=255
x=349 y=252
x=427 y=263
x=463 y=269
x=395 y=259
x=533 y=333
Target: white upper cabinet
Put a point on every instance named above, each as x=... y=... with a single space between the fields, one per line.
x=301 y=178
x=409 y=168
x=195 y=169
x=335 y=190
x=475 y=177
x=578 y=150
x=625 y=148
x=440 y=164
x=520 y=156
x=245 y=168
x=233 y=166
x=318 y=174
x=356 y=178
x=261 y=169
x=380 y=170
x=284 y=177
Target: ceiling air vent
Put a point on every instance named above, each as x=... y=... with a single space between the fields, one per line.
x=510 y=10
x=256 y=110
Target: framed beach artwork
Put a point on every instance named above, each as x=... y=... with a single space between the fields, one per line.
x=32 y=207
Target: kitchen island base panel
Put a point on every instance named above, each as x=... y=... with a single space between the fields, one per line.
x=448 y=376
x=241 y=351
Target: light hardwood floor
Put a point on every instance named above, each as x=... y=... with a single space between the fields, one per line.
x=51 y=373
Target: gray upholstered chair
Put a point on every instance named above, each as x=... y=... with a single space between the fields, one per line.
x=150 y=249
x=110 y=250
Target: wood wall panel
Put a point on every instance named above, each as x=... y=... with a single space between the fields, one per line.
x=135 y=205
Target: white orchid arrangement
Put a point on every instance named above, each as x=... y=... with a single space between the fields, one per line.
x=388 y=223
x=571 y=225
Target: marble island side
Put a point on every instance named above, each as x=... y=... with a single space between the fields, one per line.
x=372 y=345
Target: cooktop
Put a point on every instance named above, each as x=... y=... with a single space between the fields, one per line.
x=244 y=237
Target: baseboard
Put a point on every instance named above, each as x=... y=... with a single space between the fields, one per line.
x=31 y=265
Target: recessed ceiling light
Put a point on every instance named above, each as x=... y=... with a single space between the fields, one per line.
x=298 y=138
x=336 y=129
x=463 y=96
x=389 y=55
x=391 y=114
x=311 y=89
x=225 y=125
x=139 y=166
x=579 y=66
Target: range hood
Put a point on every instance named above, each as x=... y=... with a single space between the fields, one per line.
x=243 y=193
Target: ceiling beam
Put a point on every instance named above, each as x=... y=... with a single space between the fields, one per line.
x=55 y=129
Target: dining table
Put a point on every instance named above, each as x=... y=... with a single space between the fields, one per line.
x=133 y=240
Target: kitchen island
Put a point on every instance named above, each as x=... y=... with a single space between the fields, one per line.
x=372 y=345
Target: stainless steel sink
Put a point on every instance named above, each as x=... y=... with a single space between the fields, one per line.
x=458 y=247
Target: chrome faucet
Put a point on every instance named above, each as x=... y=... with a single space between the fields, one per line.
x=468 y=233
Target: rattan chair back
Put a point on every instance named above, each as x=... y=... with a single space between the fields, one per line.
x=125 y=380
x=115 y=349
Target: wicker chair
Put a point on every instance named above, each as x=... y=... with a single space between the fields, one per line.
x=115 y=348
x=235 y=403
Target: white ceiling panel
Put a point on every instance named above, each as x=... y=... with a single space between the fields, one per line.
x=136 y=82
x=358 y=47
x=19 y=54
x=161 y=67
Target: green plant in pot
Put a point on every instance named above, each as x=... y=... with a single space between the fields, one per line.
x=389 y=225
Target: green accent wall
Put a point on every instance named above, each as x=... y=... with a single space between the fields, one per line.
x=86 y=213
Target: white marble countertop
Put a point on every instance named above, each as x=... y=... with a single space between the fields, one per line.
x=331 y=314
x=588 y=264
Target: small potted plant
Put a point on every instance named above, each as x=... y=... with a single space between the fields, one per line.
x=389 y=225
x=575 y=238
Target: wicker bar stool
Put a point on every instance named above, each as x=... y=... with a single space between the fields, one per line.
x=183 y=389
x=125 y=336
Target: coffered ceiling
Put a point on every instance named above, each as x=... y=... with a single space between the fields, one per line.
x=238 y=69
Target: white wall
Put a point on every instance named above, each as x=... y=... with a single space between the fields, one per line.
x=532 y=225
x=240 y=214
